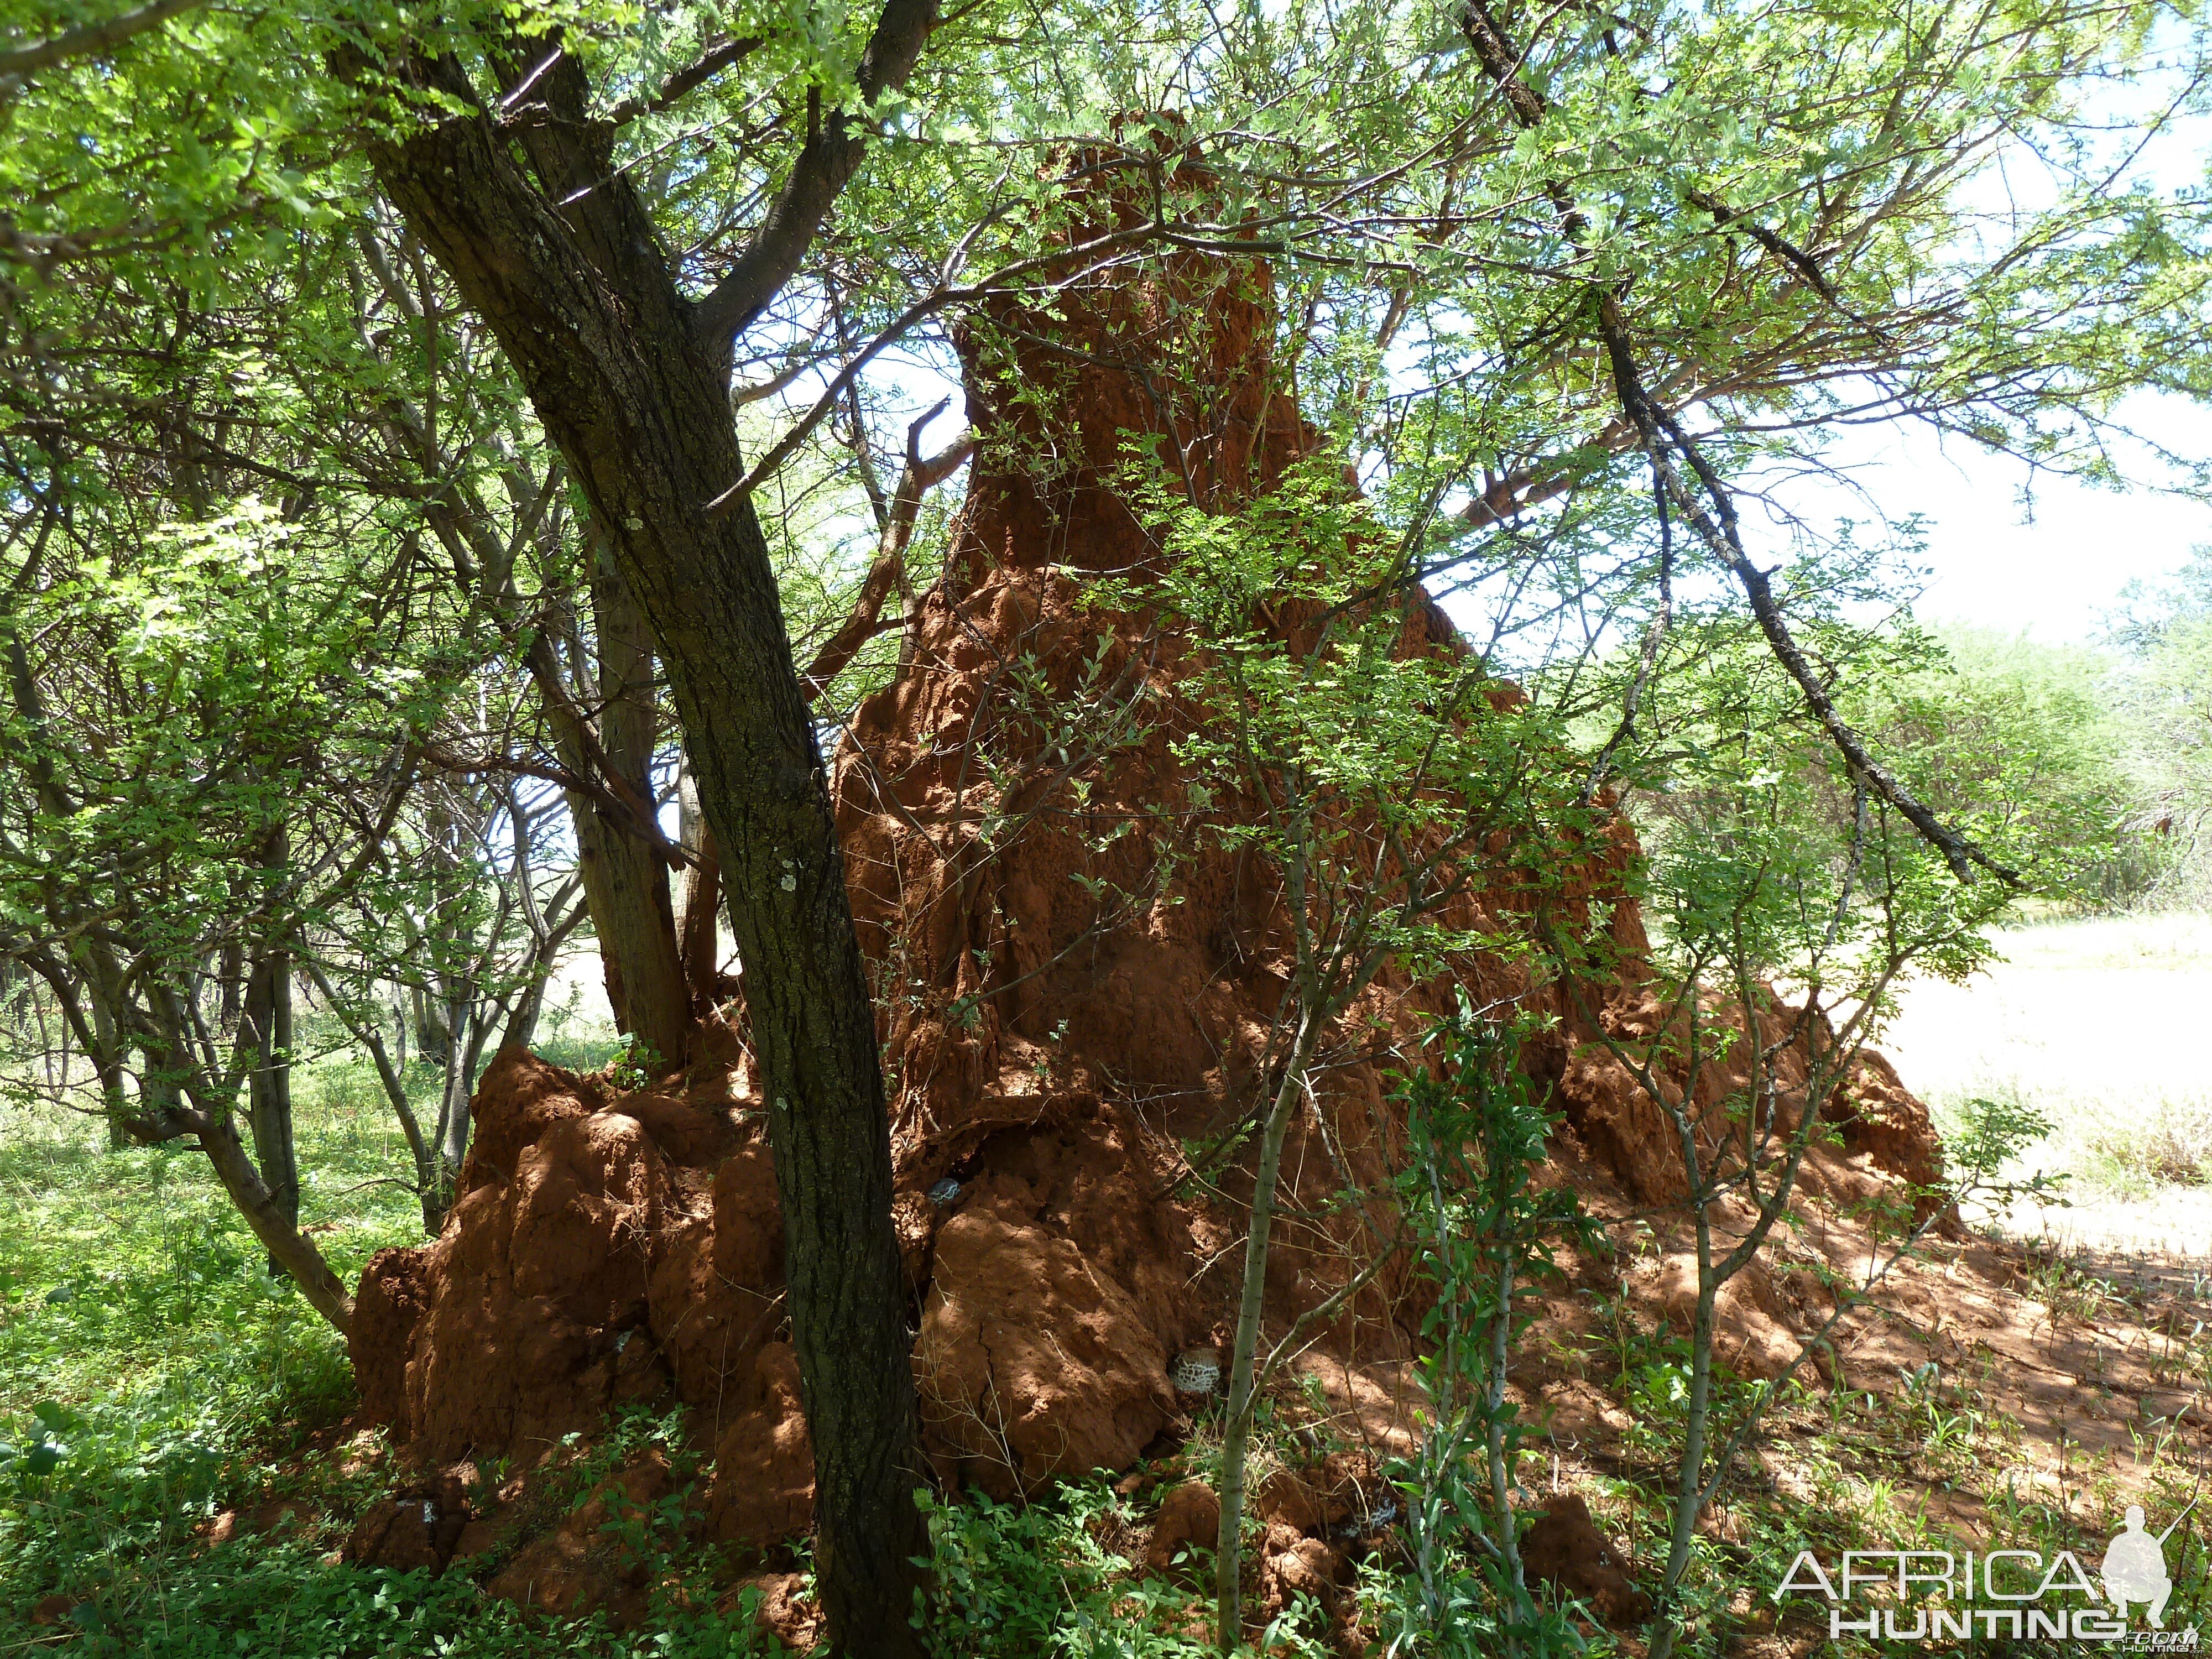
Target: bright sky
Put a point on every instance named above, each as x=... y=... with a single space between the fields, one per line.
x=2051 y=566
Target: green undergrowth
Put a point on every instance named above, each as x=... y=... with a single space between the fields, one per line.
x=281 y=1599
x=152 y=1371
x=1017 y=1582
x=154 y=1375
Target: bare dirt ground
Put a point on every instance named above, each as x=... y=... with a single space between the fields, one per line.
x=2100 y=1025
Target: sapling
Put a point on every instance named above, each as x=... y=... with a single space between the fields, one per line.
x=1476 y=1129
x=1772 y=860
x=1379 y=784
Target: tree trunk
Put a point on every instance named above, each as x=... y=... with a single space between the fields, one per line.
x=1236 y=1417
x=625 y=882
x=449 y=1143
x=173 y=1076
x=268 y=1014
x=230 y=975
x=269 y=1089
x=701 y=930
x=107 y=1060
x=521 y=1029
x=453 y=1119
x=160 y=1100
x=1689 y=1487
x=288 y=1247
x=635 y=396
x=434 y=1039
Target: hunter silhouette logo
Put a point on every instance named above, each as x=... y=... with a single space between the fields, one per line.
x=2135 y=1567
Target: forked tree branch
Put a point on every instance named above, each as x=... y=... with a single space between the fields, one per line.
x=1712 y=516
x=826 y=163
x=920 y=475
x=1717 y=530
x=716 y=59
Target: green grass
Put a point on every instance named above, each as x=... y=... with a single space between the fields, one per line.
x=152 y=1374
x=146 y=1347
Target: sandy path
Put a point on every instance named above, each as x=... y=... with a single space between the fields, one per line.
x=2101 y=1025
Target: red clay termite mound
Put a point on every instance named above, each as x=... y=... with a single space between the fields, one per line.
x=1079 y=991
x=1565 y=1550
x=601 y=1251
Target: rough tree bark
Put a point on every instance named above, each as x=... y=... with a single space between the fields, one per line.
x=269 y=1085
x=268 y=1015
x=630 y=379
x=107 y=1061
x=618 y=855
x=288 y=1247
x=186 y=1099
x=701 y=940
x=625 y=878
